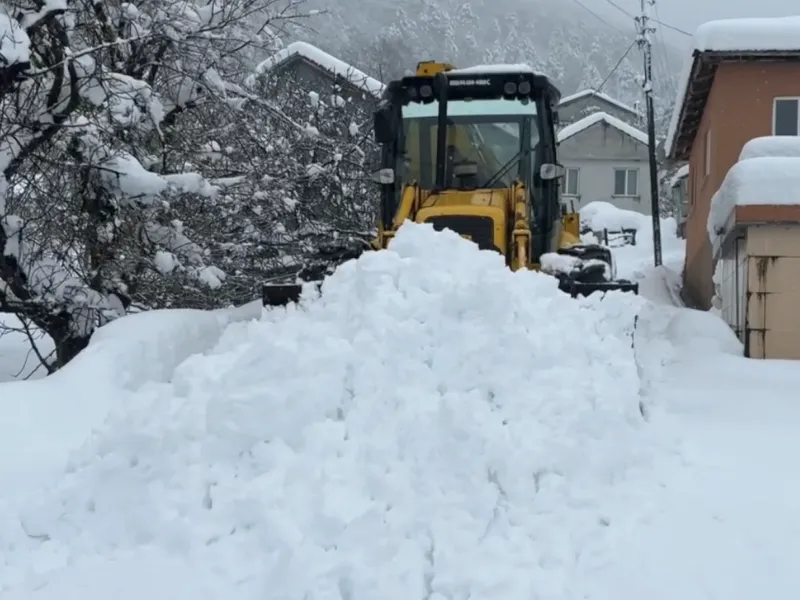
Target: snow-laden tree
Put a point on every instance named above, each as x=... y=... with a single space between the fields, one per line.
x=92 y=100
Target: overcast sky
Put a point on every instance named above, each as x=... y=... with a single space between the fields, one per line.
x=688 y=14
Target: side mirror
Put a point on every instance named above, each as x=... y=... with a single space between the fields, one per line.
x=383 y=125
x=383 y=176
x=550 y=171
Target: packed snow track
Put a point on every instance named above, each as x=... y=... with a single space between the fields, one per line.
x=432 y=426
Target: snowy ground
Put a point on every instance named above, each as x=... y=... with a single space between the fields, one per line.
x=445 y=430
x=725 y=522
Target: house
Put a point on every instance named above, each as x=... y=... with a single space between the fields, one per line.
x=605 y=159
x=575 y=107
x=679 y=193
x=741 y=81
x=304 y=65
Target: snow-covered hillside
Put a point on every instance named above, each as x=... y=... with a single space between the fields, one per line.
x=573 y=45
x=433 y=426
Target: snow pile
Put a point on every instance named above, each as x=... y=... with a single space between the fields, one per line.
x=42 y=421
x=661 y=285
x=764 y=181
x=601 y=117
x=432 y=426
x=555 y=264
x=604 y=215
x=771 y=145
x=702 y=333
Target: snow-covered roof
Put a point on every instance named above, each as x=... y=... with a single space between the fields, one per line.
x=492 y=69
x=498 y=68
x=763 y=36
x=771 y=145
x=761 y=181
x=681 y=173
x=598 y=117
x=325 y=61
x=600 y=96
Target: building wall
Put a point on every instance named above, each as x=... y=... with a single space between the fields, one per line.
x=739 y=108
x=596 y=152
x=773 y=270
x=587 y=105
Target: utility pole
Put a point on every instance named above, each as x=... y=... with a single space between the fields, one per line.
x=645 y=45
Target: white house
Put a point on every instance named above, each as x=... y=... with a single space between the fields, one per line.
x=606 y=159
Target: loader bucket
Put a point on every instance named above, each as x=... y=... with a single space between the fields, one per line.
x=583 y=288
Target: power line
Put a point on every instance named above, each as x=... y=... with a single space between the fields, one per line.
x=616 y=66
x=620 y=9
x=595 y=15
x=668 y=26
x=663 y=58
x=657 y=20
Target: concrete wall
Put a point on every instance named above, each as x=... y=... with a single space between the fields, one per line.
x=596 y=152
x=773 y=280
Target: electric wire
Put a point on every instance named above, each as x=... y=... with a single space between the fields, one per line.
x=616 y=66
x=595 y=15
x=656 y=20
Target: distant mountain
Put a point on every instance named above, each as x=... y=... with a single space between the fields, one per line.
x=387 y=38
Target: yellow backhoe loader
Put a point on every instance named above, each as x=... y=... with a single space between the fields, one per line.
x=474 y=150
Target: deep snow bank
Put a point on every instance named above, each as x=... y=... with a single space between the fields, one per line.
x=42 y=421
x=432 y=426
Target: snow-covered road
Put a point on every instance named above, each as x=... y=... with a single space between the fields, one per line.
x=725 y=523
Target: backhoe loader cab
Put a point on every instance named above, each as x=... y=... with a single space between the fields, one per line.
x=474 y=151
x=467 y=149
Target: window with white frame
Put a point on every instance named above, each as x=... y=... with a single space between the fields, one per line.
x=571 y=182
x=708 y=153
x=786 y=116
x=626 y=182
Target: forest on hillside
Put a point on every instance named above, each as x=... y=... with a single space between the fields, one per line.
x=145 y=166
x=560 y=38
